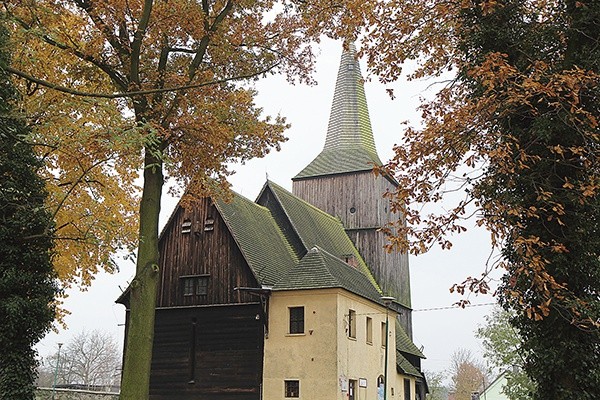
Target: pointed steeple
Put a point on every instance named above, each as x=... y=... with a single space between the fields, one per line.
x=349 y=146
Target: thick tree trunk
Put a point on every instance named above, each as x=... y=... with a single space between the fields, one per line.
x=140 y=331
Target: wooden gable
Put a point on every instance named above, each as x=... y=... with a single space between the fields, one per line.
x=201 y=264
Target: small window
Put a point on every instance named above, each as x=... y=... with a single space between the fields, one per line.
x=352 y=324
x=186 y=226
x=369 y=330
x=209 y=220
x=350 y=259
x=202 y=286
x=383 y=334
x=195 y=285
x=292 y=388
x=296 y=320
x=188 y=287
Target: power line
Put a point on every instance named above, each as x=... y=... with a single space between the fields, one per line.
x=454 y=307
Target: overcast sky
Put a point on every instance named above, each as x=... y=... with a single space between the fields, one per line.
x=439 y=331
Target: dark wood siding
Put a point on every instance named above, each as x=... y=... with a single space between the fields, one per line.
x=208 y=249
x=213 y=352
x=389 y=269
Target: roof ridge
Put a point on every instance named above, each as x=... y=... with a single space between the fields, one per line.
x=364 y=268
x=320 y=252
x=332 y=272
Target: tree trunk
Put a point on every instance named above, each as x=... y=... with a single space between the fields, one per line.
x=140 y=333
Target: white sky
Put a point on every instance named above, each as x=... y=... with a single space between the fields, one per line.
x=440 y=332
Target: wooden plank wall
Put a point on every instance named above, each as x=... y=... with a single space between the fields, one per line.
x=363 y=192
x=207 y=353
x=208 y=249
x=338 y=194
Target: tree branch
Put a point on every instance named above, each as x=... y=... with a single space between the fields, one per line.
x=74 y=92
x=136 y=46
x=106 y=68
x=114 y=40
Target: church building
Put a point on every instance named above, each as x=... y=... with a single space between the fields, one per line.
x=290 y=296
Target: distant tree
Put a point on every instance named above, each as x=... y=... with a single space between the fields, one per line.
x=90 y=359
x=504 y=351
x=435 y=383
x=27 y=286
x=467 y=374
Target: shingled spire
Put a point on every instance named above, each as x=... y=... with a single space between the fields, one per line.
x=340 y=181
x=349 y=146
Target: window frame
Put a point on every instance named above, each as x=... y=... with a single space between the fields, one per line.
x=369 y=330
x=192 y=286
x=351 y=324
x=288 y=388
x=296 y=324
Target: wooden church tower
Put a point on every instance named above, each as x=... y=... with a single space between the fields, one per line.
x=341 y=182
x=271 y=298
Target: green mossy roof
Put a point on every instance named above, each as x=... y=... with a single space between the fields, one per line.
x=405 y=367
x=349 y=145
x=259 y=238
x=340 y=161
x=319 y=269
x=317 y=228
x=405 y=344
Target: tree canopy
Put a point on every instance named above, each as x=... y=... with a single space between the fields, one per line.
x=115 y=87
x=467 y=374
x=515 y=130
x=27 y=284
x=90 y=359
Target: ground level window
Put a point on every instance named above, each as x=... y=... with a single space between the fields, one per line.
x=292 y=388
